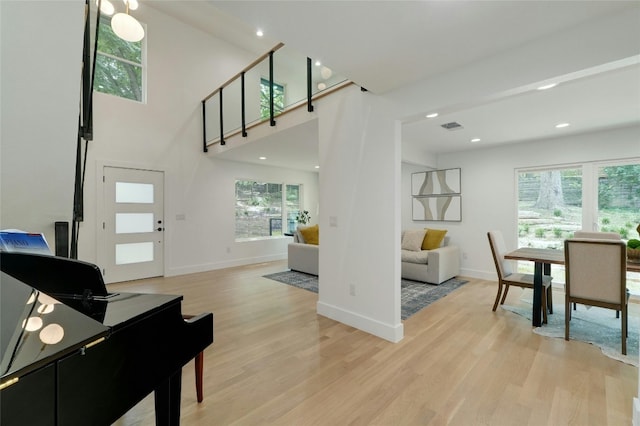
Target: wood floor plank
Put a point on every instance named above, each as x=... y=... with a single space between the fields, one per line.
x=276 y=362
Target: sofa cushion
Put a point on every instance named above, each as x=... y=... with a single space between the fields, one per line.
x=412 y=239
x=433 y=238
x=310 y=234
x=415 y=256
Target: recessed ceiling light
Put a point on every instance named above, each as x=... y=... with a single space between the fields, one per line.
x=432 y=115
x=474 y=140
x=561 y=125
x=259 y=33
x=547 y=86
x=318 y=63
x=263 y=158
x=317 y=167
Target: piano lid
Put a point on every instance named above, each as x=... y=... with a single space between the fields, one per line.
x=35 y=329
x=56 y=276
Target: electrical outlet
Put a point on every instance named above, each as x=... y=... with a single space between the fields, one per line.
x=228 y=249
x=464 y=255
x=352 y=289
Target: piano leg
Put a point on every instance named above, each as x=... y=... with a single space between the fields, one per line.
x=199 y=363
x=167 y=398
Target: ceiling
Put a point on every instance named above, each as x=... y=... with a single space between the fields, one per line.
x=368 y=41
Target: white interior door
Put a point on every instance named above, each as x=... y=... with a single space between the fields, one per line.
x=133 y=226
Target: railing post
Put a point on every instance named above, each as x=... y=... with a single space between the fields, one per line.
x=204 y=127
x=222 y=142
x=309 y=93
x=242 y=102
x=271 y=111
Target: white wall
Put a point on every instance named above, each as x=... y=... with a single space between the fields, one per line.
x=360 y=213
x=40 y=83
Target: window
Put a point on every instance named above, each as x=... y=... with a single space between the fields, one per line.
x=262 y=208
x=619 y=199
x=293 y=206
x=549 y=206
x=549 y=211
x=554 y=203
x=119 y=65
x=278 y=98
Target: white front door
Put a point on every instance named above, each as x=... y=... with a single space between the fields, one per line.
x=133 y=225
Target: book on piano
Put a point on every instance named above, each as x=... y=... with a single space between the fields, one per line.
x=23 y=242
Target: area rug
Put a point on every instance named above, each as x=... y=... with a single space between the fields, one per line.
x=593 y=325
x=415 y=295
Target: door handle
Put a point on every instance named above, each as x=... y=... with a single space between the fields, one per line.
x=160 y=229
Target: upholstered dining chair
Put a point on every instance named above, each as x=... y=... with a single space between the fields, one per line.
x=595 y=275
x=506 y=276
x=599 y=235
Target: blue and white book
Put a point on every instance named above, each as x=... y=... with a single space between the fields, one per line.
x=23 y=242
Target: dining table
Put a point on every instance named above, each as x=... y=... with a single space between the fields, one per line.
x=543 y=258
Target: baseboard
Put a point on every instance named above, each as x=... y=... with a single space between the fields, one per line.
x=478 y=274
x=385 y=331
x=193 y=269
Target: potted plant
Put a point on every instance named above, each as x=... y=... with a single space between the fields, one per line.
x=633 y=249
x=303 y=217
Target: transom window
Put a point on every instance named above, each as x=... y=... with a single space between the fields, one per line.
x=263 y=209
x=119 y=65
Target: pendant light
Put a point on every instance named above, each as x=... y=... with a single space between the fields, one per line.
x=126 y=26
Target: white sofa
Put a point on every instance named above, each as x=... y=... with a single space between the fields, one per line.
x=431 y=266
x=302 y=257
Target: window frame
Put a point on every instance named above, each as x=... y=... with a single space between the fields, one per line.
x=285 y=212
x=106 y=20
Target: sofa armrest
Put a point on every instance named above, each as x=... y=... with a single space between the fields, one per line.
x=303 y=257
x=444 y=263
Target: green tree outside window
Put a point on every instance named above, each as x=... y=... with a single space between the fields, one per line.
x=118 y=64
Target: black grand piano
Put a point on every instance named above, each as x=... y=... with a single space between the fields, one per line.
x=74 y=354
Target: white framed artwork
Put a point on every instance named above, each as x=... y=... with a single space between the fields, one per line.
x=436 y=195
x=436 y=182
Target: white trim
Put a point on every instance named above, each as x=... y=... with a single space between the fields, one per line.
x=100 y=207
x=385 y=331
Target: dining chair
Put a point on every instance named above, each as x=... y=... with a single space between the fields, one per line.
x=595 y=275
x=506 y=276
x=599 y=235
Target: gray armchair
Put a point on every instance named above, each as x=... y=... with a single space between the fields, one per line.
x=595 y=275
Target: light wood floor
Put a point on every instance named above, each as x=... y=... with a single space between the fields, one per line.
x=275 y=361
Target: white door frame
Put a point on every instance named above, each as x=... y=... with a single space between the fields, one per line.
x=100 y=211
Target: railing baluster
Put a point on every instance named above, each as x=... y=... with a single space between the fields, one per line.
x=309 y=94
x=243 y=106
x=222 y=142
x=204 y=127
x=271 y=107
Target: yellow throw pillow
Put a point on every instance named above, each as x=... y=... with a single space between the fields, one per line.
x=310 y=234
x=433 y=238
